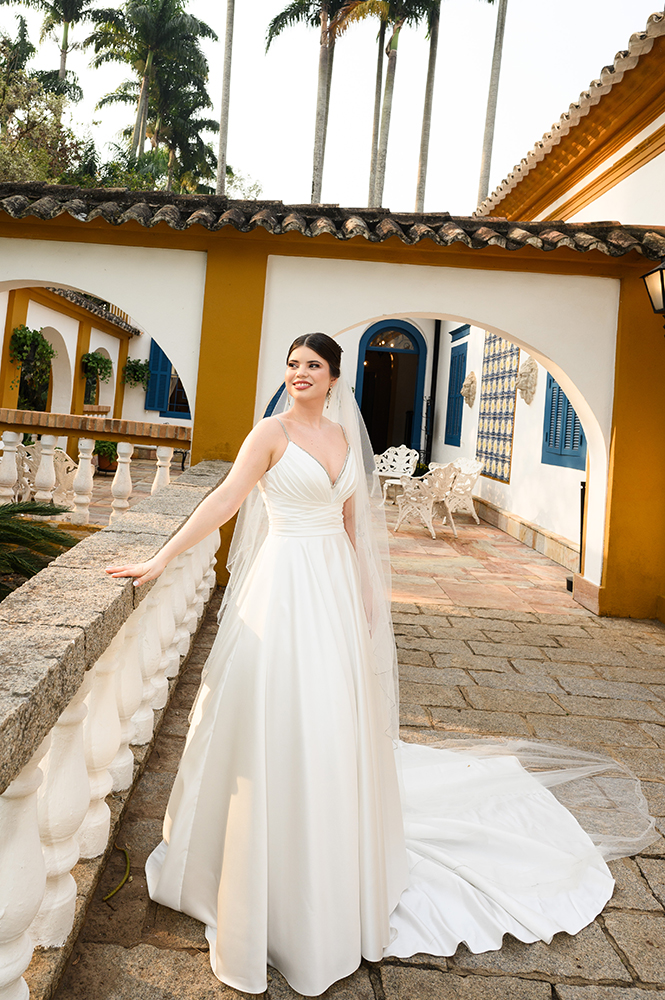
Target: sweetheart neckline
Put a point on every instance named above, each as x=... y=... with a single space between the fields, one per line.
x=315 y=459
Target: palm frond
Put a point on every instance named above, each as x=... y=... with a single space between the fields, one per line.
x=297 y=12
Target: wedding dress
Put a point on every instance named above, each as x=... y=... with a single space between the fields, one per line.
x=289 y=833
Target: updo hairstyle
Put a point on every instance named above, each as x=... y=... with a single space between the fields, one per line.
x=324 y=346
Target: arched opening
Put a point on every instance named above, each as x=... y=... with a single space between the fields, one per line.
x=60 y=389
x=390 y=382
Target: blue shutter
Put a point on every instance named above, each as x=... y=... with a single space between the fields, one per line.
x=563 y=438
x=454 y=411
x=157 y=394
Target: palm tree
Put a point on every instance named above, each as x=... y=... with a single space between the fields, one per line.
x=317 y=13
x=488 y=139
x=433 y=32
x=26 y=546
x=396 y=13
x=64 y=13
x=226 y=93
x=144 y=34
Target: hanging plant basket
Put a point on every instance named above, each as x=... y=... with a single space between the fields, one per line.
x=96 y=365
x=136 y=373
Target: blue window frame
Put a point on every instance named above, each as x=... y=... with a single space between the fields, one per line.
x=453 y=435
x=564 y=442
x=170 y=399
x=460 y=332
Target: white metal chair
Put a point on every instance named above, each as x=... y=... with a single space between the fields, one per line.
x=394 y=464
x=461 y=494
x=420 y=497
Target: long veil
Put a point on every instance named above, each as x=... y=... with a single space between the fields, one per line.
x=601 y=792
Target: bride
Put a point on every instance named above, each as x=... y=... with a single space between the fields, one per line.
x=300 y=831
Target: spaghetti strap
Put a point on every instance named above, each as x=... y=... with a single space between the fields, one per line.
x=284 y=428
x=344 y=433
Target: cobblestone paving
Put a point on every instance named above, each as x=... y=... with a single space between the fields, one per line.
x=489 y=642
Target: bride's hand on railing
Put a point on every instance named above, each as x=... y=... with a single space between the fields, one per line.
x=142 y=572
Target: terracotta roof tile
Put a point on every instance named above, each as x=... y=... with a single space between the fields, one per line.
x=180 y=212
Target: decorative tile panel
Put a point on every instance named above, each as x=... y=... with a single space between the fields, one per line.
x=494 y=447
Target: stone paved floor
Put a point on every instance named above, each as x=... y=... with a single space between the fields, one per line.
x=142 y=473
x=489 y=642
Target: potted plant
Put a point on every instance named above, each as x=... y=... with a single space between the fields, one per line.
x=31 y=353
x=107 y=456
x=136 y=373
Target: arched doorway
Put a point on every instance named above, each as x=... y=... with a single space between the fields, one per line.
x=390 y=383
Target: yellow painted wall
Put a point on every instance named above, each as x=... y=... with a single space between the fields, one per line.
x=17 y=314
x=634 y=562
x=229 y=357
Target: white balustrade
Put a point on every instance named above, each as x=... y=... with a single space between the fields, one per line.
x=22 y=876
x=101 y=733
x=9 y=465
x=121 y=487
x=150 y=657
x=83 y=482
x=62 y=802
x=129 y=691
x=45 y=478
x=163 y=471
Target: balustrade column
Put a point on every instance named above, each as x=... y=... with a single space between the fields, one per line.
x=189 y=578
x=170 y=659
x=163 y=471
x=121 y=487
x=83 y=482
x=102 y=739
x=179 y=598
x=22 y=876
x=45 y=478
x=62 y=802
x=129 y=690
x=9 y=466
x=150 y=656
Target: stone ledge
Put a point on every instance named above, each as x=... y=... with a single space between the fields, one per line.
x=56 y=625
x=557 y=548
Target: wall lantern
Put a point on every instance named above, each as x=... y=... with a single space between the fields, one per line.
x=655 y=282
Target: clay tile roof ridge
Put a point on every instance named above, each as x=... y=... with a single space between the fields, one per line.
x=639 y=44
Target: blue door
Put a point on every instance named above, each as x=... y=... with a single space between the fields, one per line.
x=390 y=384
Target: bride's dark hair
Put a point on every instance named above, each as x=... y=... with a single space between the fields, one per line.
x=325 y=347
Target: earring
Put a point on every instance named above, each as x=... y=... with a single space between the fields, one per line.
x=329 y=393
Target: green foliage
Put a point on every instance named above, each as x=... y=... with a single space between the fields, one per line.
x=136 y=373
x=30 y=350
x=96 y=365
x=107 y=449
x=27 y=546
x=421 y=469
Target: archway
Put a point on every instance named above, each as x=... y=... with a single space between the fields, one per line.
x=390 y=382
x=61 y=372
x=566 y=322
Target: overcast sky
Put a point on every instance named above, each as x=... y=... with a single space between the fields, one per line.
x=551 y=53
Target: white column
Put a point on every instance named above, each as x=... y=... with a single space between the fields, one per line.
x=163 y=471
x=62 y=802
x=8 y=465
x=179 y=600
x=170 y=659
x=189 y=579
x=129 y=690
x=101 y=733
x=83 y=482
x=22 y=876
x=45 y=478
x=121 y=487
x=150 y=656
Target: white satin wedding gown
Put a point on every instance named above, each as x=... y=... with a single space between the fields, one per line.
x=286 y=832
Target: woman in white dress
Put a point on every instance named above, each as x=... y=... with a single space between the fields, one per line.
x=299 y=831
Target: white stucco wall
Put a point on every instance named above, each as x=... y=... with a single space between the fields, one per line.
x=161 y=289
x=61 y=332
x=566 y=322
x=547 y=495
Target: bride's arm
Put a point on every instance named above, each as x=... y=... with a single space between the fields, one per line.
x=349 y=520
x=254 y=459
